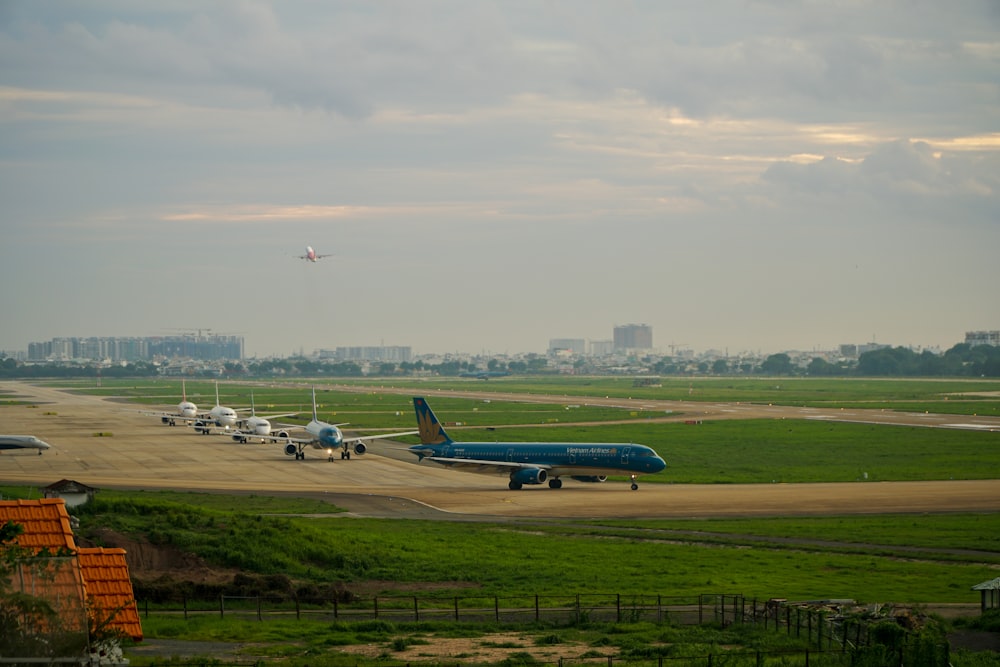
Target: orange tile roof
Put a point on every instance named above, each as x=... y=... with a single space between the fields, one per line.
x=45 y=521
x=101 y=573
x=109 y=590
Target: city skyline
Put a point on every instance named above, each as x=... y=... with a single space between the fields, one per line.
x=487 y=176
x=145 y=348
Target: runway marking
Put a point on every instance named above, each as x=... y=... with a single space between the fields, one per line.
x=976 y=427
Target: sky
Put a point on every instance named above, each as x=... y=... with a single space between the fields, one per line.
x=743 y=176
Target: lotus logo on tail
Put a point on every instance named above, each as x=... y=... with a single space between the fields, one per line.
x=430 y=429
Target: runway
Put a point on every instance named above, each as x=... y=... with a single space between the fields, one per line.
x=140 y=453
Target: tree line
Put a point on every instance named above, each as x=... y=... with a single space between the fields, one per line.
x=962 y=360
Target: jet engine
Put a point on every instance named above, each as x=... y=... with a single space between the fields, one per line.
x=529 y=476
x=360 y=448
x=590 y=478
x=291 y=450
x=280 y=434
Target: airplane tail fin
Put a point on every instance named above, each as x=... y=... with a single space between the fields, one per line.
x=217 y=393
x=184 y=393
x=431 y=431
x=315 y=418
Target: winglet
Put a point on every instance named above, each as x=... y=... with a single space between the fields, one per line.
x=431 y=431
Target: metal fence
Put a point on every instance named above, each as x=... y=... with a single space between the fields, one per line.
x=578 y=608
x=832 y=638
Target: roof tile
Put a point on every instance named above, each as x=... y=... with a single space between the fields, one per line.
x=101 y=574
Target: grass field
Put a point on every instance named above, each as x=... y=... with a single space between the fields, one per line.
x=921 y=559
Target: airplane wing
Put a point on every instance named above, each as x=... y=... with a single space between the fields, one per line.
x=476 y=465
x=380 y=436
x=241 y=421
x=169 y=416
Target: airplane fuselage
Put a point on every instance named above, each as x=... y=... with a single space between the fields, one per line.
x=558 y=459
x=257 y=426
x=223 y=416
x=23 y=442
x=327 y=436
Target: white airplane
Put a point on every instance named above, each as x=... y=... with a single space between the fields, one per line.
x=258 y=426
x=23 y=442
x=186 y=411
x=311 y=255
x=219 y=416
x=329 y=437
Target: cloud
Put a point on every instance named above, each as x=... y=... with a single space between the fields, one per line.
x=904 y=171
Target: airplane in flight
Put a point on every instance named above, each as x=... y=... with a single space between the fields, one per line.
x=23 y=442
x=532 y=462
x=323 y=435
x=311 y=255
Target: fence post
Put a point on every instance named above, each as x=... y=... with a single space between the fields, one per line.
x=222 y=606
x=185 y=607
x=336 y=608
x=258 y=608
x=456 y=608
x=659 y=608
x=618 y=606
x=536 y=608
x=496 y=607
x=376 y=605
x=298 y=610
x=416 y=612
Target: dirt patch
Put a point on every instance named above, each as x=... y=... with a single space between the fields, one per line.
x=974 y=640
x=489 y=648
x=150 y=562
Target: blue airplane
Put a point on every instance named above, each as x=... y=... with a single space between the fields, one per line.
x=532 y=462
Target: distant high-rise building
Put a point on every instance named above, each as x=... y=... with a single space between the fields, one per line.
x=849 y=350
x=601 y=348
x=388 y=353
x=974 y=338
x=205 y=348
x=633 y=337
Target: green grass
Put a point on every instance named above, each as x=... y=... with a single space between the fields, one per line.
x=951 y=396
x=563 y=558
x=954 y=396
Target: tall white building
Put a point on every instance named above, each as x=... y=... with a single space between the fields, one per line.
x=974 y=338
